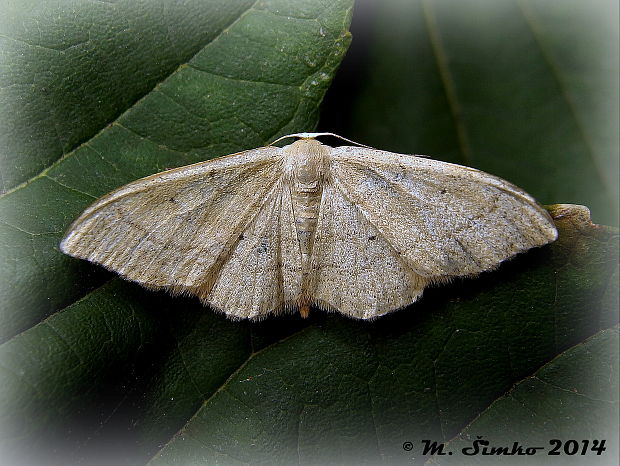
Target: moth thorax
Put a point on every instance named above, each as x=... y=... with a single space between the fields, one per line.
x=305 y=164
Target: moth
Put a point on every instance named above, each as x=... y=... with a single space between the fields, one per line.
x=349 y=229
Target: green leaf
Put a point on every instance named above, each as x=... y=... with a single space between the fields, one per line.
x=101 y=93
x=568 y=388
x=132 y=90
x=71 y=68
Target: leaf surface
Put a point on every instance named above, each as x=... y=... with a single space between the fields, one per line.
x=566 y=388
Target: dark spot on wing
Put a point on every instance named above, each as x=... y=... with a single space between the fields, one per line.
x=264 y=245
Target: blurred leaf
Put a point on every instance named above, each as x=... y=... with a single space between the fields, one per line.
x=524 y=89
x=568 y=388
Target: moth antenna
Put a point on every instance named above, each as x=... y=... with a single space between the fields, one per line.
x=316 y=135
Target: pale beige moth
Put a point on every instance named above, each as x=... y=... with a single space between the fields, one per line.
x=349 y=229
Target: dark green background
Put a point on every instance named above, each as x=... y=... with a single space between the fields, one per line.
x=97 y=94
